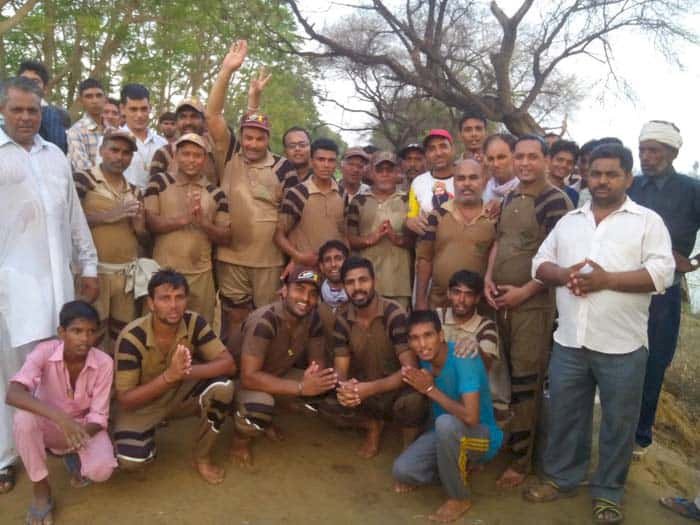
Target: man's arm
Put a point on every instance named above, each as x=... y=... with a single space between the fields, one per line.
x=467 y=411
x=222 y=365
x=257 y=85
x=77 y=151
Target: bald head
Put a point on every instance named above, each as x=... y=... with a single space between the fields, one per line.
x=469 y=182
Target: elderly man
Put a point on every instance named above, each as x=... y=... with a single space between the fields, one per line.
x=42 y=226
x=676 y=198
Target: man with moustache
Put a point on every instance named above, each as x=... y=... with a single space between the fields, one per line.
x=84 y=136
x=167 y=126
x=412 y=164
x=249 y=268
x=331 y=256
x=472 y=131
x=676 y=198
x=525 y=310
x=273 y=341
x=459 y=236
x=297 y=148
x=369 y=350
x=498 y=162
x=353 y=167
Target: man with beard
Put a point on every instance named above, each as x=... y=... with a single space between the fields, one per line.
x=369 y=350
x=331 y=257
x=353 y=168
x=375 y=222
x=84 y=136
x=188 y=216
x=248 y=269
x=498 y=163
x=271 y=342
x=525 y=310
x=459 y=236
x=167 y=126
x=676 y=198
x=170 y=363
x=114 y=211
x=413 y=164
x=605 y=259
x=297 y=148
x=472 y=131
x=433 y=188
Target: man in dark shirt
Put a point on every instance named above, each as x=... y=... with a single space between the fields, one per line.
x=676 y=198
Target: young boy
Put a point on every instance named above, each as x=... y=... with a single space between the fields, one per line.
x=62 y=396
x=464 y=430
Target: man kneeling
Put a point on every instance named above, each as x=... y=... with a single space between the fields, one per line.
x=170 y=362
x=62 y=393
x=465 y=431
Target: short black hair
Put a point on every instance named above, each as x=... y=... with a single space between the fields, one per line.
x=472 y=113
x=588 y=147
x=531 y=136
x=89 y=83
x=353 y=263
x=37 y=67
x=614 y=151
x=134 y=92
x=552 y=134
x=564 y=145
x=74 y=310
x=292 y=130
x=471 y=280
x=370 y=149
x=324 y=144
x=505 y=137
x=113 y=101
x=424 y=316
x=168 y=115
x=610 y=140
x=333 y=244
x=167 y=276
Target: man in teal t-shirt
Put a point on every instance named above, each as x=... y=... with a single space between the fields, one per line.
x=464 y=430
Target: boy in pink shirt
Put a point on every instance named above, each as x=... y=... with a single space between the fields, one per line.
x=62 y=396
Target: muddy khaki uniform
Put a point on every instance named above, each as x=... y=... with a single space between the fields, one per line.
x=485 y=332
x=117 y=248
x=248 y=270
x=164 y=162
x=392 y=264
x=139 y=360
x=189 y=249
x=266 y=334
x=310 y=217
x=452 y=244
x=374 y=354
x=525 y=332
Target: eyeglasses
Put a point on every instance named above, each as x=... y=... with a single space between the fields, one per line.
x=297 y=145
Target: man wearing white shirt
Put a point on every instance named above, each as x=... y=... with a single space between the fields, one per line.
x=606 y=259
x=43 y=226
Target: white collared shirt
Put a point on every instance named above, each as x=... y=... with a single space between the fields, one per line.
x=42 y=228
x=630 y=238
x=139 y=171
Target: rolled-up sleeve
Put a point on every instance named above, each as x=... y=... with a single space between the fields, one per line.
x=99 y=406
x=657 y=254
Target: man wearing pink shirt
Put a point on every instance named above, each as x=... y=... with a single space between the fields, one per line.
x=62 y=396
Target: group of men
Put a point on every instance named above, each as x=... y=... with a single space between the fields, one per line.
x=421 y=288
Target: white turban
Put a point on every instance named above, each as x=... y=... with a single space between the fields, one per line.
x=662 y=131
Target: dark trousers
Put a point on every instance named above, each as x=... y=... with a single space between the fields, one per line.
x=663 y=326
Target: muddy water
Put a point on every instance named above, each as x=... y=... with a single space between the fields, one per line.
x=314 y=477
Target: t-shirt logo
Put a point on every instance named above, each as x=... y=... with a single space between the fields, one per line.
x=440 y=194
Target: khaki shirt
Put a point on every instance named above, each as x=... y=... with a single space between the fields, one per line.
x=188 y=249
x=392 y=264
x=116 y=242
x=164 y=161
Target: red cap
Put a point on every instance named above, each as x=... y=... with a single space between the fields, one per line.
x=437 y=133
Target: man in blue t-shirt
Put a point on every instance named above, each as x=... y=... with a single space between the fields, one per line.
x=464 y=430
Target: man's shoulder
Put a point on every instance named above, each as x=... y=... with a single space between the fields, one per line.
x=133 y=336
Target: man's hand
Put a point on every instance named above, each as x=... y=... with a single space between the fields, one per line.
x=307 y=259
x=89 y=289
x=75 y=434
x=490 y=291
x=138 y=220
x=418 y=224
x=235 y=56
x=510 y=296
x=492 y=208
x=586 y=281
x=419 y=379
x=467 y=347
x=180 y=365
x=317 y=380
x=683 y=263
x=348 y=393
x=258 y=83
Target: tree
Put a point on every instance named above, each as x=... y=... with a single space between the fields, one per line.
x=466 y=54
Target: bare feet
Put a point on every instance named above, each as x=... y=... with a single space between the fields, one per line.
x=510 y=479
x=211 y=473
x=451 y=510
x=240 y=451
x=403 y=488
x=273 y=433
x=370 y=447
x=41 y=509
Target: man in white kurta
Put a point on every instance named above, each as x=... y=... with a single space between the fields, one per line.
x=42 y=229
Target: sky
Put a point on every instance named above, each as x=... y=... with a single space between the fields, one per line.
x=660 y=90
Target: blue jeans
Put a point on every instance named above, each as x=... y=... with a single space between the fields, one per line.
x=663 y=326
x=574 y=374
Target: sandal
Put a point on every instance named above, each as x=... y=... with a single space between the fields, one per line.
x=34 y=514
x=682 y=507
x=72 y=463
x=601 y=506
x=8 y=476
x=545 y=492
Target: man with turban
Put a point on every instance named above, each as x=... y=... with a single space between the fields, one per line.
x=676 y=198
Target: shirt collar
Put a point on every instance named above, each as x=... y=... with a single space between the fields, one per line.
x=39 y=141
x=90 y=360
x=659 y=180
x=311 y=185
x=379 y=312
x=181 y=180
x=89 y=122
x=150 y=336
x=267 y=162
x=469 y=326
x=150 y=135
x=450 y=207
x=532 y=191
x=627 y=206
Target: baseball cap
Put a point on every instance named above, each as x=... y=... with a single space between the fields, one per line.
x=356 y=152
x=194 y=138
x=437 y=133
x=304 y=274
x=383 y=156
x=121 y=134
x=409 y=147
x=256 y=120
x=193 y=103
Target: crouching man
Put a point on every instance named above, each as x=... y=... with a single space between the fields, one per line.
x=62 y=393
x=170 y=362
x=464 y=431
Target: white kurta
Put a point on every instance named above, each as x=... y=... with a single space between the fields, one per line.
x=42 y=228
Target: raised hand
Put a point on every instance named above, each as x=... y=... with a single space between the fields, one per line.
x=258 y=82
x=235 y=56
